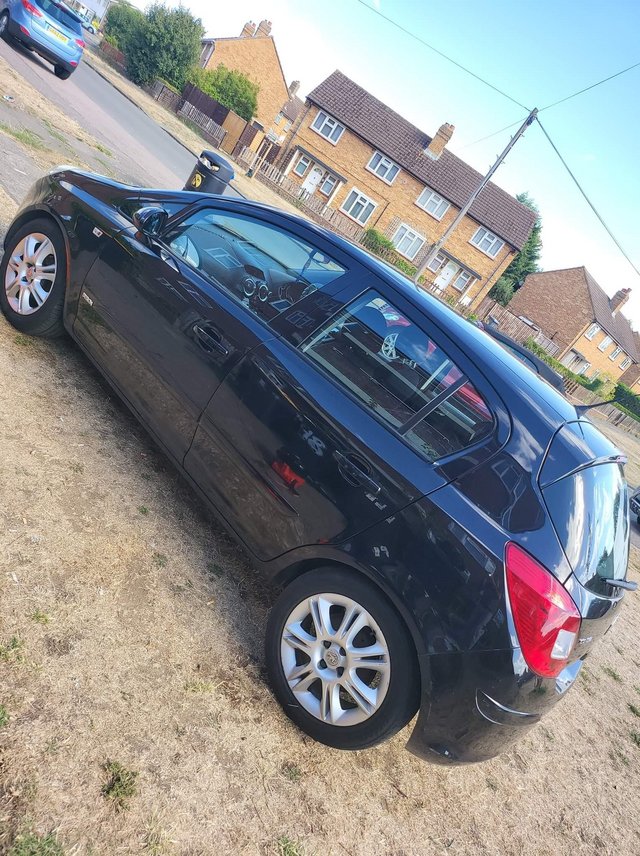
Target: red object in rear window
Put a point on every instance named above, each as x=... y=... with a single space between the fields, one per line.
x=32 y=9
x=546 y=619
x=80 y=43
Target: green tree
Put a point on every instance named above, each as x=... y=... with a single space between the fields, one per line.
x=123 y=22
x=166 y=46
x=524 y=263
x=231 y=88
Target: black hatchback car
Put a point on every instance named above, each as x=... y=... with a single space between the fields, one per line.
x=448 y=536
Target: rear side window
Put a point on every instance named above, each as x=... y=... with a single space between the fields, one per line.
x=61 y=15
x=394 y=368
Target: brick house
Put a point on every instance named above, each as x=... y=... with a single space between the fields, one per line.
x=572 y=310
x=361 y=157
x=254 y=54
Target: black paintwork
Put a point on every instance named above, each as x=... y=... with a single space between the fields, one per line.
x=305 y=475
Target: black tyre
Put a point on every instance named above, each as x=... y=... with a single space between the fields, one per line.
x=638 y=519
x=62 y=73
x=341 y=661
x=4 y=25
x=33 y=276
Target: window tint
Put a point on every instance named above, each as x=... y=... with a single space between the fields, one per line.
x=397 y=371
x=267 y=269
x=61 y=15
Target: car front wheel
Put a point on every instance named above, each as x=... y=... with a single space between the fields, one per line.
x=341 y=661
x=4 y=25
x=33 y=276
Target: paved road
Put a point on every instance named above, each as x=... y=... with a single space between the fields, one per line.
x=109 y=116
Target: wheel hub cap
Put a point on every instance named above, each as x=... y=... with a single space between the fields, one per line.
x=335 y=659
x=30 y=274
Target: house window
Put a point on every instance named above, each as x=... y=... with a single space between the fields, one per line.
x=328 y=127
x=591 y=332
x=358 y=206
x=615 y=354
x=583 y=368
x=487 y=242
x=604 y=344
x=462 y=281
x=437 y=262
x=407 y=242
x=433 y=203
x=383 y=167
x=278 y=118
x=287 y=127
x=302 y=166
x=625 y=363
x=595 y=374
x=328 y=183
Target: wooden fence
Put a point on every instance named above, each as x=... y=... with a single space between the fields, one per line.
x=210 y=129
x=516 y=328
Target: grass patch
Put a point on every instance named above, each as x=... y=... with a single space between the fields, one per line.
x=292 y=772
x=287 y=847
x=31 y=844
x=159 y=560
x=492 y=784
x=215 y=569
x=55 y=133
x=103 y=149
x=612 y=673
x=75 y=467
x=12 y=652
x=4 y=716
x=143 y=510
x=24 y=341
x=617 y=755
x=198 y=686
x=156 y=840
x=635 y=737
x=24 y=136
x=39 y=617
x=634 y=710
x=120 y=786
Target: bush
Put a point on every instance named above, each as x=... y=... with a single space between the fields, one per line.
x=380 y=246
x=628 y=400
x=231 y=88
x=502 y=291
x=166 y=45
x=123 y=24
x=557 y=365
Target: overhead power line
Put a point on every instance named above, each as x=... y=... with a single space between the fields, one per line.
x=440 y=53
x=586 y=198
x=592 y=86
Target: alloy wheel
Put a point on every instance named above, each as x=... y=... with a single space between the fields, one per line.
x=31 y=273
x=335 y=659
x=4 y=20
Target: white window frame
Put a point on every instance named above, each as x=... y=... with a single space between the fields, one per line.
x=388 y=165
x=408 y=231
x=287 y=126
x=592 y=331
x=437 y=199
x=304 y=171
x=328 y=177
x=278 y=119
x=481 y=234
x=367 y=200
x=324 y=120
x=615 y=353
x=626 y=363
x=604 y=344
x=466 y=283
x=596 y=373
x=440 y=260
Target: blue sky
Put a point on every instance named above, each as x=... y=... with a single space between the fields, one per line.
x=537 y=52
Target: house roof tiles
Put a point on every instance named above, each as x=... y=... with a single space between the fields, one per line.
x=397 y=138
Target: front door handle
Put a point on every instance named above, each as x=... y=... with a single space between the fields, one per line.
x=168 y=259
x=210 y=340
x=355 y=470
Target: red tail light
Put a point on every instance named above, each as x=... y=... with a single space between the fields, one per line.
x=80 y=43
x=33 y=10
x=546 y=619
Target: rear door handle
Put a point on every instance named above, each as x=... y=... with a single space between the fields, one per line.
x=210 y=340
x=355 y=470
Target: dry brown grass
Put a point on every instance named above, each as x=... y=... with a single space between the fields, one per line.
x=158 y=665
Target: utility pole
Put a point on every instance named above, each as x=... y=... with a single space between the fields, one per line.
x=435 y=248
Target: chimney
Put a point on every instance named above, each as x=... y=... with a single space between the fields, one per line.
x=293 y=88
x=264 y=28
x=437 y=144
x=619 y=299
x=248 y=31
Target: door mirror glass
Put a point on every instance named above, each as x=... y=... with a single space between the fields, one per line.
x=150 y=220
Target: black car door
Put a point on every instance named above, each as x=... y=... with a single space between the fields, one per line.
x=318 y=434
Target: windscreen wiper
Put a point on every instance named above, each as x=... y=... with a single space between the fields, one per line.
x=624 y=584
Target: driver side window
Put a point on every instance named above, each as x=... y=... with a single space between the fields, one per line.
x=265 y=268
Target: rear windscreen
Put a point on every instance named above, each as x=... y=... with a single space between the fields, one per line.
x=61 y=15
x=589 y=510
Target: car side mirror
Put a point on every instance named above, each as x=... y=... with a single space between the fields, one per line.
x=150 y=220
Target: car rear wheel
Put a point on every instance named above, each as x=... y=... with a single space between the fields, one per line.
x=4 y=25
x=62 y=73
x=341 y=661
x=33 y=275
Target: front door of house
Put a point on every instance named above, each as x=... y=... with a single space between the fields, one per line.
x=313 y=179
x=446 y=274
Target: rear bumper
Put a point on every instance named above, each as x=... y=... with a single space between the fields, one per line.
x=46 y=51
x=478 y=705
